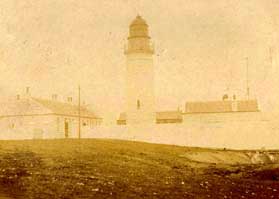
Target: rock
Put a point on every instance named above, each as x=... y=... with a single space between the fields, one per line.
x=95 y=190
x=261 y=158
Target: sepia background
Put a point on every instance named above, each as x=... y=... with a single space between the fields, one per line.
x=52 y=46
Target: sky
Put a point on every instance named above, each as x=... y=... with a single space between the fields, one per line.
x=53 y=46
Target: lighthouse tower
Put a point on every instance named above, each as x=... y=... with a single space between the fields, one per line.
x=140 y=105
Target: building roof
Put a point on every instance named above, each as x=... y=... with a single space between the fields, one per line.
x=138 y=21
x=169 y=115
x=208 y=107
x=62 y=108
x=24 y=106
x=165 y=115
x=36 y=106
x=221 y=106
x=247 y=105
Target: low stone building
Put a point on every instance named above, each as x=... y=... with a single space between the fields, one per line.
x=164 y=117
x=28 y=117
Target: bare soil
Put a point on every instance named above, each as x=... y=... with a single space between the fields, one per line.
x=121 y=169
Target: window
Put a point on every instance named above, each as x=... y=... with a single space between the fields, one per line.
x=138 y=104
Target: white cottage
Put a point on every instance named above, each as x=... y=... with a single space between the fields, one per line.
x=29 y=118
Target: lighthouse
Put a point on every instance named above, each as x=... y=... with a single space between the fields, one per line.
x=140 y=105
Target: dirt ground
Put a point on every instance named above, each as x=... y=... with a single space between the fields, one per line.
x=121 y=169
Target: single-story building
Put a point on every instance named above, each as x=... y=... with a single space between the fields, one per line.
x=29 y=117
x=164 y=117
x=208 y=111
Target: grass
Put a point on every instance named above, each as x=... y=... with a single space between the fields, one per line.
x=120 y=169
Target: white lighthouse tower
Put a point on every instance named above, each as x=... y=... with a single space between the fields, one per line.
x=140 y=105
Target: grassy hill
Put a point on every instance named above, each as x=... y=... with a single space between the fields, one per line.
x=121 y=169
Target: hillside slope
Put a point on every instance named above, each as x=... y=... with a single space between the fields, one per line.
x=122 y=169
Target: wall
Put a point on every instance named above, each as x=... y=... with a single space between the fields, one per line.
x=27 y=127
x=225 y=117
x=40 y=127
x=249 y=131
x=235 y=134
x=140 y=87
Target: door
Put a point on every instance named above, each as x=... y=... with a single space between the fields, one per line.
x=66 y=129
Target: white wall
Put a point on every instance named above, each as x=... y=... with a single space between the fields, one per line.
x=25 y=127
x=140 y=86
x=226 y=117
x=44 y=126
x=252 y=132
x=243 y=134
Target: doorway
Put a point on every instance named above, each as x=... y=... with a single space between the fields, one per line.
x=66 y=129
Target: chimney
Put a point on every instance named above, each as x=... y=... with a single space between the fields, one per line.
x=225 y=97
x=54 y=97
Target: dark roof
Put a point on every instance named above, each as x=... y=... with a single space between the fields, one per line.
x=36 y=106
x=164 y=115
x=62 y=108
x=208 y=107
x=221 y=106
x=138 y=21
x=169 y=115
x=247 y=105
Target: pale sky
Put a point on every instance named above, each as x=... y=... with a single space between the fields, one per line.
x=54 y=45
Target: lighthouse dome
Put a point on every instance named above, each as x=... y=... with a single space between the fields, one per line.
x=139 y=40
x=138 y=28
x=138 y=21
